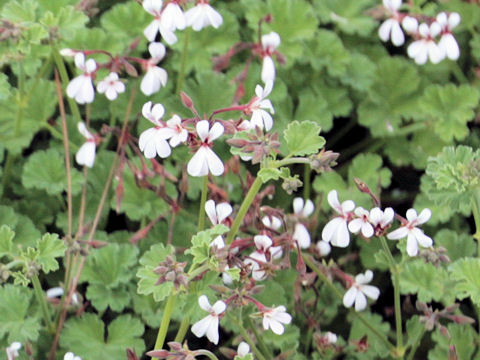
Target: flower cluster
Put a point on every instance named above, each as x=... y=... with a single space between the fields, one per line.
x=425 y=46
x=373 y=222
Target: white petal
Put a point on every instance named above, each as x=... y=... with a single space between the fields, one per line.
x=79 y=60
x=364 y=278
x=151 y=30
x=200 y=328
x=219 y=307
x=162 y=147
x=388 y=216
x=243 y=349
x=212 y=331
x=347 y=206
x=215 y=132
x=442 y=19
x=271 y=40
x=397 y=34
x=214 y=17
x=211 y=212
x=450 y=46
x=323 y=248
x=90 y=66
x=410 y=24
x=83 y=130
x=341 y=237
x=86 y=154
x=424 y=216
x=424 y=240
x=298 y=205
x=435 y=53
x=385 y=29
x=202 y=129
x=198 y=166
x=168 y=35
x=360 y=301
x=276 y=327
x=215 y=165
x=308 y=209
x=435 y=29
x=367 y=230
x=349 y=297
x=330 y=229
x=156 y=50
x=268 y=69
x=54 y=292
x=204 y=303
x=412 y=215
x=157 y=111
x=453 y=20
x=355 y=225
x=302 y=236
x=371 y=291
x=332 y=199
x=412 y=246
x=400 y=233
x=223 y=211
x=262 y=242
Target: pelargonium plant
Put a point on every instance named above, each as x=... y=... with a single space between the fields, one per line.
x=257 y=179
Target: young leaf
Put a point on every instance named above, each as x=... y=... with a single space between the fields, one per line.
x=85 y=336
x=200 y=249
x=18 y=321
x=303 y=138
x=6 y=244
x=462 y=336
x=49 y=247
x=148 y=279
x=268 y=174
x=458 y=245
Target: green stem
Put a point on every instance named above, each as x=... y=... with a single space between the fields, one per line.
x=410 y=129
x=206 y=353
x=306 y=182
x=183 y=64
x=203 y=200
x=415 y=345
x=476 y=218
x=322 y=277
x=396 y=293
x=43 y=303
x=259 y=338
x=290 y=161
x=254 y=189
x=64 y=77
x=247 y=337
x=458 y=73
x=194 y=271
x=182 y=330
x=167 y=315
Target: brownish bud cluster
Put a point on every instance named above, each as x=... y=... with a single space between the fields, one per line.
x=171 y=270
x=324 y=160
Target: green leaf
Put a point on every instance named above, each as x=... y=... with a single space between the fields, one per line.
x=414 y=329
x=111 y=265
x=289 y=340
x=45 y=170
x=458 y=245
x=64 y=20
x=102 y=297
x=149 y=261
x=462 y=337
x=368 y=168
x=466 y=271
x=303 y=138
x=200 y=248
x=49 y=247
x=359 y=330
x=349 y=16
x=450 y=108
x=6 y=243
x=268 y=174
x=452 y=178
x=20 y=12
x=4 y=87
x=427 y=281
x=114 y=20
x=19 y=321
x=246 y=357
x=86 y=338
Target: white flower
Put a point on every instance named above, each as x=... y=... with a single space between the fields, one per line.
x=71 y=356
x=218 y=242
x=303 y=208
x=356 y=293
x=153 y=141
x=274 y=318
x=302 y=236
x=258 y=106
x=81 y=88
x=209 y=324
x=270 y=42
x=414 y=235
x=381 y=219
x=258 y=257
x=243 y=349
x=447 y=42
x=173 y=17
x=155 y=77
x=54 y=292
x=205 y=160
x=217 y=213
x=111 y=86
x=203 y=15
x=323 y=248
x=12 y=350
x=361 y=223
x=426 y=48
x=410 y=24
x=272 y=222
x=331 y=337
x=154 y=7
x=180 y=134
x=336 y=230
x=390 y=28
x=86 y=154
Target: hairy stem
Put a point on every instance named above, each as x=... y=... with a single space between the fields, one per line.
x=254 y=189
x=167 y=315
x=247 y=337
x=203 y=200
x=415 y=345
x=183 y=64
x=182 y=330
x=396 y=292
x=43 y=303
x=261 y=343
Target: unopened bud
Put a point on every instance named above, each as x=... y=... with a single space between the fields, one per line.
x=238 y=143
x=131 y=355
x=291 y=184
x=186 y=100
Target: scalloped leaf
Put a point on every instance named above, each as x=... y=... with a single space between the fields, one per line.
x=200 y=248
x=359 y=330
x=149 y=261
x=450 y=108
x=22 y=12
x=466 y=271
x=303 y=138
x=19 y=322
x=45 y=170
x=6 y=243
x=85 y=336
x=462 y=336
x=102 y=297
x=49 y=247
x=457 y=245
